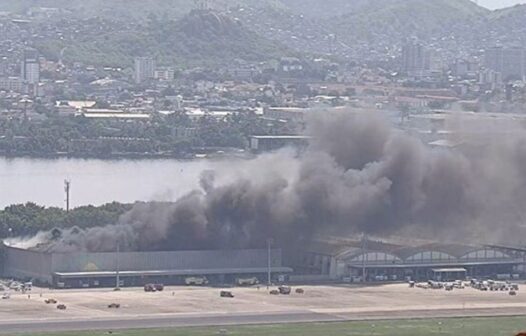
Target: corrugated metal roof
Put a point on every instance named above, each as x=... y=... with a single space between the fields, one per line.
x=448 y=270
x=439 y=264
x=349 y=249
x=172 y=272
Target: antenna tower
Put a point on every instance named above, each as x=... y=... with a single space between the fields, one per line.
x=67 y=185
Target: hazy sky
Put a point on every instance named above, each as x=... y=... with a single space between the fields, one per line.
x=493 y=4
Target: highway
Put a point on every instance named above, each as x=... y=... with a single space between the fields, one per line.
x=226 y=319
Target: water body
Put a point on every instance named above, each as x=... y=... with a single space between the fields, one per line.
x=96 y=181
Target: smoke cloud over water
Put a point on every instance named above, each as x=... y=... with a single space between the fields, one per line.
x=358 y=174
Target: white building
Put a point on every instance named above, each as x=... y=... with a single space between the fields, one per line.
x=30 y=68
x=164 y=74
x=11 y=84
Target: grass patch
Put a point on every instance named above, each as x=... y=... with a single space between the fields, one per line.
x=497 y=326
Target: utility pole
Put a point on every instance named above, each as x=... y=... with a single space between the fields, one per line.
x=67 y=185
x=118 y=280
x=364 y=255
x=269 y=269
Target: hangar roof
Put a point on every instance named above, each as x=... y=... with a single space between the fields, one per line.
x=102 y=274
x=345 y=249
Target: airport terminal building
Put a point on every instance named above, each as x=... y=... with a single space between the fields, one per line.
x=324 y=259
x=380 y=261
x=83 y=270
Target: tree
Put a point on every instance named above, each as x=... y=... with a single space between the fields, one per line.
x=30 y=218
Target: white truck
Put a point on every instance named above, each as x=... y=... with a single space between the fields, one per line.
x=196 y=281
x=247 y=281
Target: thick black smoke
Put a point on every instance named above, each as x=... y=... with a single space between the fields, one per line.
x=357 y=175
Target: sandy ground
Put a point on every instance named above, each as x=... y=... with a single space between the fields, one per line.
x=177 y=301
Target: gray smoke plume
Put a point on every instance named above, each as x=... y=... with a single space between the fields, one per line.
x=358 y=174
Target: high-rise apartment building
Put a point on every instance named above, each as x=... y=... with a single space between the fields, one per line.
x=510 y=62
x=415 y=58
x=30 y=67
x=144 y=69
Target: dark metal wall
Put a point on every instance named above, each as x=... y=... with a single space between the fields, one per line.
x=180 y=260
x=24 y=264
x=2 y=258
x=27 y=265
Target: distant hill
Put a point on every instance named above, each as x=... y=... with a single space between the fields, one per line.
x=332 y=8
x=198 y=38
x=404 y=18
x=262 y=29
x=508 y=25
x=95 y=7
x=210 y=36
x=325 y=8
x=177 y=8
x=123 y=8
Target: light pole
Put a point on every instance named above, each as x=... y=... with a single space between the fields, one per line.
x=364 y=254
x=67 y=186
x=118 y=284
x=269 y=256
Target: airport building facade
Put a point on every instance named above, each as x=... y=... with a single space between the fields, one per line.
x=84 y=270
x=379 y=261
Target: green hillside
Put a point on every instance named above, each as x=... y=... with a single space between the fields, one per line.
x=327 y=8
x=123 y=8
x=267 y=29
x=506 y=25
x=403 y=18
x=199 y=38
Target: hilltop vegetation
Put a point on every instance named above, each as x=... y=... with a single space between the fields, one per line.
x=405 y=18
x=122 y=8
x=178 y=8
x=260 y=30
x=325 y=9
x=334 y=8
x=507 y=25
x=199 y=38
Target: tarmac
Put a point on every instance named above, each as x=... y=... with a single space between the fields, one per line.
x=194 y=306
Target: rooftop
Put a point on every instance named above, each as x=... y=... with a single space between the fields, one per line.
x=288 y=137
x=102 y=274
x=116 y=115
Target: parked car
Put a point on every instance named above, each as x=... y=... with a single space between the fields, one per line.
x=226 y=294
x=149 y=288
x=284 y=290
